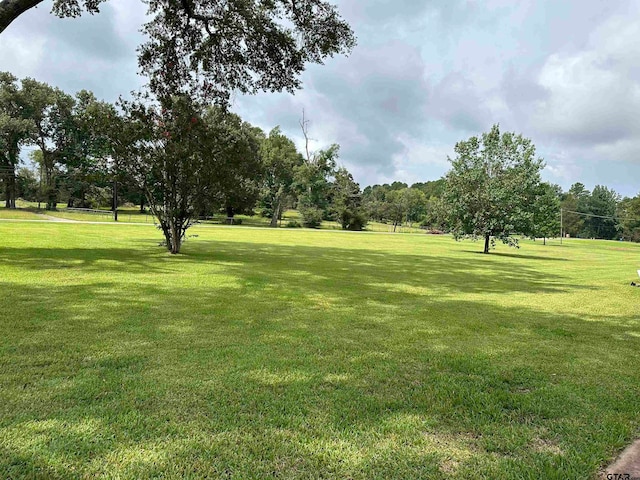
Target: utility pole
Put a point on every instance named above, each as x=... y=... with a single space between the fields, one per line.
x=561 y=227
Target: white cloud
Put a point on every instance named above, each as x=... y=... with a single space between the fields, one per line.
x=594 y=95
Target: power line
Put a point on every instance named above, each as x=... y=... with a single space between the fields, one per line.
x=589 y=214
x=599 y=216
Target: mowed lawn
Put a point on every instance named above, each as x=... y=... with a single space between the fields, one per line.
x=263 y=353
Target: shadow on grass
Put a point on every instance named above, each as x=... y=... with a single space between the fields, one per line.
x=518 y=256
x=320 y=269
x=312 y=361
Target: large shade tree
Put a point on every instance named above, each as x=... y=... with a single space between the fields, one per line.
x=203 y=51
x=491 y=187
x=52 y=112
x=238 y=175
x=16 y=130
x=217 y=47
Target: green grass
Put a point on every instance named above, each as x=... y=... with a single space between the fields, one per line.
x=299 y=354
x=18 y=214
x=29 y=210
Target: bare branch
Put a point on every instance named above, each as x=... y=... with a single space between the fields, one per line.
x=304 y=124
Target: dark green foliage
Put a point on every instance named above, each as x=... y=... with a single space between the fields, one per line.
x=174 y=155
x=397 y=204
x=27 y=184
x=574 y=202
x=312 y=183
x=347 y=201
x=603 y=202
x=239 y=176
x=431 y=189
x=52 y=111
x=629 y=216
x=280 y=159
x=16 y=130
x=312 y=216
x=546 y=217
x=492 y=187
x=215 y=48
x=583 y=212
x=404 y=205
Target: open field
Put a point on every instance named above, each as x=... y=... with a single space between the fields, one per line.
x=28 y=210
x=312 y=354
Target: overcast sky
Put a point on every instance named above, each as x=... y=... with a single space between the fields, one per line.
x=424 y=75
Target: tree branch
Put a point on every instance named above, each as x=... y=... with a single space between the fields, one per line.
x=188 y=8
x=12 y=9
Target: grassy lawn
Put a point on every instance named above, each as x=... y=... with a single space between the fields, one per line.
x=18 y=214
x=297 y=354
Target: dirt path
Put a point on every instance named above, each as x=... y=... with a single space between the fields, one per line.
x=55 y=219
x=627 y=465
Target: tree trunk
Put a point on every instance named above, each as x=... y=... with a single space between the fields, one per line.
x=230 y=214
x=142 y=203
x=12 y=9
x=10 y=189
x=52 y=193
x=115 y=200
x=175 y=242
x=544 y=240
x=486 y=243
x=172 y=232
x=276 y=215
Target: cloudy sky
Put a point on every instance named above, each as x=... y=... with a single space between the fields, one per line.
x=424 y=75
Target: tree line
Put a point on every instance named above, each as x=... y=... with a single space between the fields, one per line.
x=185 y=162
x=177 y=160
x=494 y=192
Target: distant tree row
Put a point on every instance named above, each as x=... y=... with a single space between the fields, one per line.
x=601 y=213
x=181 y=161
x=184 y=161
x=494 y=192
x=399 y=204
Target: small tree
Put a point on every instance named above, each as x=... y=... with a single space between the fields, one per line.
x=602 y=203
x=491 y=187
x=629 y=215
x=347 y=201
x=239 y=171
x=313 y=184
x=171 y=152
x=546 y=217
x=280 y=159
x=312 y=181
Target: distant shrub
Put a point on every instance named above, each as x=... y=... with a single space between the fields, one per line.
x=351 y=220
x=311 y=217
x=293 y=224
x=233 y=221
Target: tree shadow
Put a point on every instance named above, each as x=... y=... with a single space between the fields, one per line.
x=349 y=362
x=518 y=256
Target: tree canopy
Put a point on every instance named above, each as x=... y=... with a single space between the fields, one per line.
x=492 y=186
